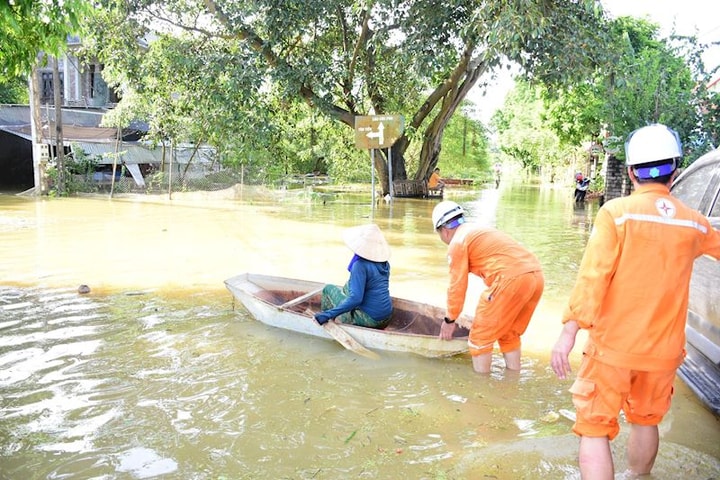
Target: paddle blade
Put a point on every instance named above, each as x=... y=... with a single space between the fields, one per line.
x=347 y=341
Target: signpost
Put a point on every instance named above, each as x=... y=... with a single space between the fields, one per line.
x=378 y=131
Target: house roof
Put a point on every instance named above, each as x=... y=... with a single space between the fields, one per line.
x=137 y=153
x=81 y=129
x=131 y=154
x=71 y=133
x=79 y=124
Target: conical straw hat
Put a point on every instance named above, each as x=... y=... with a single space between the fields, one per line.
x=368 y=242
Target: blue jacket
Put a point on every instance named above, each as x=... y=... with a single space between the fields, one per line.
x=369 y=290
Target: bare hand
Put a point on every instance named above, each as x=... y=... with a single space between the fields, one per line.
x=447 y=330
x=560 y=359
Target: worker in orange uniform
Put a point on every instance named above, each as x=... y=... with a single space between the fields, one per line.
x=631 y=294
x=435 y=182
x=513 y=277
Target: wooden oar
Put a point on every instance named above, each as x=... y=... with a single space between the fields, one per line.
x=347 y=341
x=332 y=328
x=299 y=299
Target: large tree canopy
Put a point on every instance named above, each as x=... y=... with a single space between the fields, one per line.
x=415 y=58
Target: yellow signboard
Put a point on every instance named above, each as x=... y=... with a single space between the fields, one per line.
x=378 y=131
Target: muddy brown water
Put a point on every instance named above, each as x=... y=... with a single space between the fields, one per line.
x=159 y=373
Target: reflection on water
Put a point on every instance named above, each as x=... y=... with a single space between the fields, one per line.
x=158 y=374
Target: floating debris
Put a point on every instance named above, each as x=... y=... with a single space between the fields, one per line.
x=550 y=417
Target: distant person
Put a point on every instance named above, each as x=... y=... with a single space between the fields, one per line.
x=497 y=173
x=365 y=299
x=631 y=294
x=582 y=184
x=514 y=282
x=435 y=182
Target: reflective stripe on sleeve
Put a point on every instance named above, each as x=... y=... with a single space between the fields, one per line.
x=658 y=219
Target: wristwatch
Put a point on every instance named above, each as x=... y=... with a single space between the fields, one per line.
x=447 y=320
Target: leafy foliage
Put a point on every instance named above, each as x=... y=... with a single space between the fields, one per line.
x=465 y=148
x=415 y=58
x=14 y=90
x=29 y=27
x=522 y=131
x=647 y=80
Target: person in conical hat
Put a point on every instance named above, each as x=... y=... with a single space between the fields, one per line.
x=368 y=242
x=365 y=299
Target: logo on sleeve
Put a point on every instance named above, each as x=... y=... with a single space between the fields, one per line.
x=665 y=207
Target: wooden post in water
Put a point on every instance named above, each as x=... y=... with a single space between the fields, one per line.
x=118 y=137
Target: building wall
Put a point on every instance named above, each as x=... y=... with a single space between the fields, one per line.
x=617 y=183
x=73 y=84
x=81 y=84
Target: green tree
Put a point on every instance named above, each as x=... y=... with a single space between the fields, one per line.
x=305 y=141
x=648 y=80
x=14 y=91
x=343 y=59
x=523 y=135
x=465 y=148
x=29 y=27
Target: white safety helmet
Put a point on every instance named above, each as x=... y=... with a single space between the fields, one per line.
x=653 y=143
x=444 y=212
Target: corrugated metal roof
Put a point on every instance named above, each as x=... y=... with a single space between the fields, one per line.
x=14 y=115
x=81 y=128
x=78 y=117
x=17 y=131
x=131 y=154
x=139 y=153
x=70 y=133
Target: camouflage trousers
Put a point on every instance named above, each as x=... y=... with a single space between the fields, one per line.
x=333 y=295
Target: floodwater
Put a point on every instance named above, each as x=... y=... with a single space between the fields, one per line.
x=159 y=374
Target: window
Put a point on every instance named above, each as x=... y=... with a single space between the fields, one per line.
x=691 y=188
x=715 y=212
x=47 y=94
x=99 y=89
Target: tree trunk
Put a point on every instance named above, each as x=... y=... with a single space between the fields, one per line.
x=462 y=80
x=398 y=165
x=450 y=95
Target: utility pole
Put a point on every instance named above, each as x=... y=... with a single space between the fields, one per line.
x=40 y=151
x=59 y=141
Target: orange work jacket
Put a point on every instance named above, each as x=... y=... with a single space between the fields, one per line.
x=488 y=253
x=631 y=292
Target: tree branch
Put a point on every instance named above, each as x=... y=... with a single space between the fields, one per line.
x=256 y=43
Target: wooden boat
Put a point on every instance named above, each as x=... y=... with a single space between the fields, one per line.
x=290 y=304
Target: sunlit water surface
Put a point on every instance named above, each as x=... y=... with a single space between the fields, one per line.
x=158 y=373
